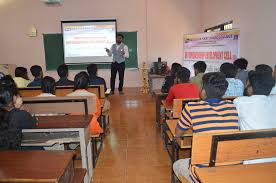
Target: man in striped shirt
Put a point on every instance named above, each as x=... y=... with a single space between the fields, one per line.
x=211 y=115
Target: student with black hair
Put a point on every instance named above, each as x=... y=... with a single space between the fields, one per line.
x=62 y=71
x=21 y=77
x=36 y=71
x=12 y=119
x=235 y=86
x=257 y=110
x=169 y=80
x=182 y=89
x=119 y=51
x=274 y=73
x=9 y=83
x=81 y=82
x=263 y=68
x=48 y=87
x=94 y=79
x=273 y=91
x=211 y=115
x=1 y=75
x=242 y=73
x=199 y=68
x=266 y=69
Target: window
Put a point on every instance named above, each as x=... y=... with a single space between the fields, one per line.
x=221 y=27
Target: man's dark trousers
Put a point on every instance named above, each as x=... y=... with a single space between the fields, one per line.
x=116 y=67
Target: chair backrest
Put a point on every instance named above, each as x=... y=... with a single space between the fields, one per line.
x=179 y=104
x=233 y=146
x=60 y=105
x=62 y=91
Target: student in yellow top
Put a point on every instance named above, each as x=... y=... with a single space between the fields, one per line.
x=200 y=68
x=21 y=77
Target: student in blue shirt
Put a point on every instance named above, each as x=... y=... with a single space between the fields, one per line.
x=36 y=71
x=63 y=73
x=235 y=86
x=94 y=79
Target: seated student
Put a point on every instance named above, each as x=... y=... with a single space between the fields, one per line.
x=169 y=80
x=36 y=71
x=263 y=68
x=1 y=75
x=257 y=110
x=274 y=73
x=48 y=87
x=182 y=89
x=242 y=74
x=80 y=89
x=9 y=82
x=62 y=71
x=13 y=120
x=211 y=115
x=273 y=91
x=21 y=77
x=235 y=86
x=200 y=68
x=94 y=79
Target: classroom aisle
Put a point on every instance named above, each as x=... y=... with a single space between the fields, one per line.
x=133 y=151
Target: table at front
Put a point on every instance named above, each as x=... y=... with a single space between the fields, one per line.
x=254 y=173
x=155 y=81
x=36 y=166
x=63 y=124
x=159 y=96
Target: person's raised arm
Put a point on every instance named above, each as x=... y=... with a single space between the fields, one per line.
x=108 y=51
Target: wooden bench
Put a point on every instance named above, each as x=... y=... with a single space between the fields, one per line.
x=179 y=104
x=62 y=91
x=66 y=105
x=60 y=105
x=39 y=166
x=159 y=96
x=177 y=143
x=216 y=150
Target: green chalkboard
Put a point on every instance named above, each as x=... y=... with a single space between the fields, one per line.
x=54 y=56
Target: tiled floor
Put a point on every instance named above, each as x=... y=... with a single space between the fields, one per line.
x=133 y=151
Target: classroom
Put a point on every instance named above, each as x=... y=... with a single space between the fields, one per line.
x=193 y=101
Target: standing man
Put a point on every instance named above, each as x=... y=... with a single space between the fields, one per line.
x=120 y=53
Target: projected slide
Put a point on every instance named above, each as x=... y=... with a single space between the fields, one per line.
x=85 y=42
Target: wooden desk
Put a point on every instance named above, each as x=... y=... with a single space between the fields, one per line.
x=172 y=125
x=36 y=166
x=177 y=143
x=49 y=126
x=182 y=144
x=159 y=96
x=265 y=172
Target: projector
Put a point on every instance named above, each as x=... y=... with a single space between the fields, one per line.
x=52 y=1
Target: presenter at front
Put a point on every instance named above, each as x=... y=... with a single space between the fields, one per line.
x=119 y=51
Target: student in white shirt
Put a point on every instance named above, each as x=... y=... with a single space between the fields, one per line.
x=267 y=69
x=48 y=87
x=257 y=110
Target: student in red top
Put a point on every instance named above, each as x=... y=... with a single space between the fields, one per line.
x=182 y=88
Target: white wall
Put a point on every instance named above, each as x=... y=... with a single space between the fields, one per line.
x=256 y=20
x=160 y=25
